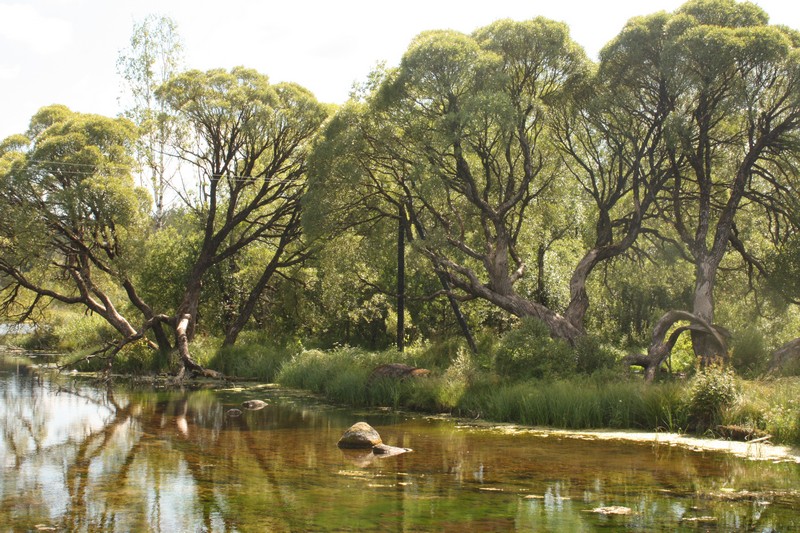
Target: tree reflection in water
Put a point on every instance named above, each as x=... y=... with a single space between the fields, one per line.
x=77 y=457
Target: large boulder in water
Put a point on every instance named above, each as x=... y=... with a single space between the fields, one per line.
x=360 y=435
x=363 y=440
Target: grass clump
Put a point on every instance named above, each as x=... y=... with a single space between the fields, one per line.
x=577 y=402
x=340 y=374
x=771 y=406
x=254 y=356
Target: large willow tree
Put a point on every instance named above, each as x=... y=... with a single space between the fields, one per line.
x=472 y=134
x=731 y=85
x=71 y=219
x=247 y=152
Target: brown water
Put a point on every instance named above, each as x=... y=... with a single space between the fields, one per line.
x=78 y=457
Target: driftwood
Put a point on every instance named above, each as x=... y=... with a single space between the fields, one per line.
x=660 y=349
x=397 y=371
x=742 y=433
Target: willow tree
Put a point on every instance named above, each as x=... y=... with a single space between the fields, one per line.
x=733 y=86
x=71 y=219
x=484 y=127
x=247 y=152
x=358 y=180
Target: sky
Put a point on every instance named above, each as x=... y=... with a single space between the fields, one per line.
x=65 y=51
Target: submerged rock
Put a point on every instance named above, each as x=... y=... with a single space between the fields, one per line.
x=384 y=450
x=360 y=435
x=254 y=405
x=612 y=510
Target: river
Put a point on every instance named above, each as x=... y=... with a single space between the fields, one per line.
x=78 y=456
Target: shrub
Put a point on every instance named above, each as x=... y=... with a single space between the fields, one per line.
x=750 y=355
x=591 y=356
x=711 y=390
x=528 y=351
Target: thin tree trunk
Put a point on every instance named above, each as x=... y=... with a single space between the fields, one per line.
x=401 y=279
x=541 y=288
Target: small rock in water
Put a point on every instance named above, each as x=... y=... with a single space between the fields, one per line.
x=387 y=451
x=700 y=519
x=612 y=510
x=233 y=412
x=254 y=405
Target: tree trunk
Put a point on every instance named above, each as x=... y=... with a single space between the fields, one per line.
x=579 y=298
x=182 y=341
x=703 y=306
x=185 y=322
x=401 y=279
x=541 y=289
x=659 y=349
x=559 y=326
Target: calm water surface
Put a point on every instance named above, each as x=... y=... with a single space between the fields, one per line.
x=78 y=457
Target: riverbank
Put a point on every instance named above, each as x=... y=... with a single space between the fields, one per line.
x=759 y=451
x=600 y=407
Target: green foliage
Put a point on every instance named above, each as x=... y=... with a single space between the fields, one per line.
x=592 y=356
x=164 y=269
x=254 y=356
x=69 y=330
x=749 y=355
x=783 y=264
x=528 y=351
x=711 y=391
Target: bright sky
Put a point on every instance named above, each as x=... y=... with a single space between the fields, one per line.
x=65 y=51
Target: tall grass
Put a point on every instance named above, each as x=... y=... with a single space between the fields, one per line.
x=254 y=356
x=608 y=399
x=772 y=406
x=579 y=402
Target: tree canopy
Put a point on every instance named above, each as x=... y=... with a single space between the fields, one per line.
x=488 y=177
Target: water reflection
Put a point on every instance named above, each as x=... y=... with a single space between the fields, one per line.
x=77 y=457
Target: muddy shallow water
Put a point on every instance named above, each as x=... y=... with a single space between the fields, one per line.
x=78 y=457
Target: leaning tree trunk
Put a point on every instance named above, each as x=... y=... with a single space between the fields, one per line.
x=182 y=340
x=445 y=282
x=247 y=309
x=184 y=332
x=660 y=349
